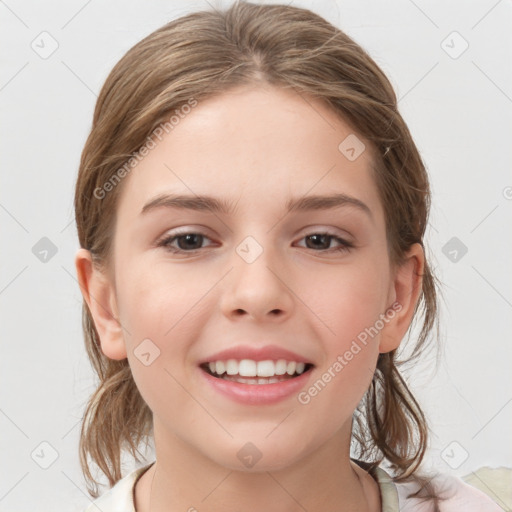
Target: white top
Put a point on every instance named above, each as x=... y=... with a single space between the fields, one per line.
x=461 y=496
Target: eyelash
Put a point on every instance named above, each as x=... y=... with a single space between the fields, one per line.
x=345 y=246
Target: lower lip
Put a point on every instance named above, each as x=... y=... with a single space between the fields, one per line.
x=257 y=394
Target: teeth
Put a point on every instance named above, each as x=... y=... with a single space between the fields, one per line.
x=266 y=369
x=247 y=368
x=231 y=367
x=244 y=380
x=219 y=367
x=250 y=368
x=281 y=366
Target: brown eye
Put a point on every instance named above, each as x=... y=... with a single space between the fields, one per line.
x=322 y=242
x=186 y=242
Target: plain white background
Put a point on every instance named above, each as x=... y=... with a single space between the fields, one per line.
x=458 y=105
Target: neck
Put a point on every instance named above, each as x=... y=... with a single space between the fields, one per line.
x=326 y=480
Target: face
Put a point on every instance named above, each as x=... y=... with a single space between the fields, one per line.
x=309 y=285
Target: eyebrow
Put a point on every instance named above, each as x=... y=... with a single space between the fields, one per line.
x=219 y=205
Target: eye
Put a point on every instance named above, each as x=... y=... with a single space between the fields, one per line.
x=190 y=242
x=187 y=242
x=321 y=240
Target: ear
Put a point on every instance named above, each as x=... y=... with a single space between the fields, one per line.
x=99 y=293
x=404 y=293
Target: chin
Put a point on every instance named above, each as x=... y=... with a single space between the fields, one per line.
x=258 y=456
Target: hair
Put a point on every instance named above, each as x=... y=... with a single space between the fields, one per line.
x=204 y=54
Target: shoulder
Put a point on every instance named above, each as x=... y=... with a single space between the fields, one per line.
x=484 y=490
x=120 y=497
x=495 y=482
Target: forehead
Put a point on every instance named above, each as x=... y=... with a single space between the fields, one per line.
x=259 y=145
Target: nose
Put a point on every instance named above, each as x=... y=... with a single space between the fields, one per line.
x=259 y=290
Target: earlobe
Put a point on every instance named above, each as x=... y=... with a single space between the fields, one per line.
x=404 y=294
x=99 y=293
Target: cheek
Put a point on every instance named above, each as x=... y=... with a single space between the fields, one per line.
x=348 y=299
x=158 y=318
x=152 y=299
x=350 y=307
x=350 y=304
x=161 y=313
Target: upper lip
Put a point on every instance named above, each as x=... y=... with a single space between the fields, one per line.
x=268 y=352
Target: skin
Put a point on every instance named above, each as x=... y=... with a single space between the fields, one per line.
x=266 y=145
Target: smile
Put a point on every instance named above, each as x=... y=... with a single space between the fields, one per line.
x=248 y=371
x=256 y=382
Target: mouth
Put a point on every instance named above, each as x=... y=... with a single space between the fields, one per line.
x=248 y=371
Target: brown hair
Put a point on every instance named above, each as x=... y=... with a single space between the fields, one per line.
x=204 y=54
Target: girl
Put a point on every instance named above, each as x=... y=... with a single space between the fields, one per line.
x=260 y=357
